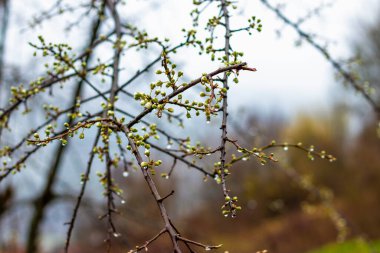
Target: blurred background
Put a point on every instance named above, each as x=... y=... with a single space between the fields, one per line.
x=294 y=206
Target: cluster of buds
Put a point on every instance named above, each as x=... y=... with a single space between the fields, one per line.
x=230 y=206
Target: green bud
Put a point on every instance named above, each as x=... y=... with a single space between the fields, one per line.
x=64 y=142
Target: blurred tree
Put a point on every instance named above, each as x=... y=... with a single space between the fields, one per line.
x=295 y=205
x=85 y=101
x=4 y=17
x=367 y=47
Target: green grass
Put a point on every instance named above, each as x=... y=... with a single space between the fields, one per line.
x=353 y=246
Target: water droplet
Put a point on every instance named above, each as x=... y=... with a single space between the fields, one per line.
x=168 y=146
x=166 y=177
x=125 y=174
x=244 y=158
x=207 y=122
x=122 y=201
x=208 y=154
x=286 y=148
x=116 y=234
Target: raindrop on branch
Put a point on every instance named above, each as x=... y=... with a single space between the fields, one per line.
x=116 y=234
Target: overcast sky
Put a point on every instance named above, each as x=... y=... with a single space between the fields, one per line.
x=289 y=79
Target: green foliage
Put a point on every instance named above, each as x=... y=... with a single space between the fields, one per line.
x=352 y=246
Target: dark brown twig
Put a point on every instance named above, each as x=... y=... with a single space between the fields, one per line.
x=347 y=76
x=81 y=194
